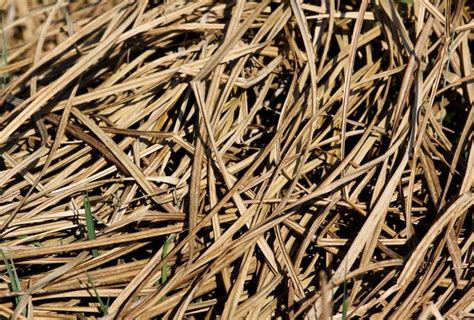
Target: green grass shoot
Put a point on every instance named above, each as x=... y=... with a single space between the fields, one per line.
x=104 y=308
x=13 y=275
x=90 y=223
x=164 y=253
x=344 y=302
x=4 y=77
x=37 y=244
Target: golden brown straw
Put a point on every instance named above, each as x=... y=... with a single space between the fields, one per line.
x=236 y=159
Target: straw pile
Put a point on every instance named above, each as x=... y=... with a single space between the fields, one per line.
x=242 y=159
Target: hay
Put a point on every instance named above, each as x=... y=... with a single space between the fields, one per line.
x=268 y=159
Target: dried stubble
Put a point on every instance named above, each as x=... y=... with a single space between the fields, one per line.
x=244 y=159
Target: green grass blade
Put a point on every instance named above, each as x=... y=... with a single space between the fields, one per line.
x=90 y=223
x=34 y=243
x=4 y=77
x=103 y=307
x=165 y=268
x=13 y=275
x=344 y=302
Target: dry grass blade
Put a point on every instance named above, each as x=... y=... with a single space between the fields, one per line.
x=236 y=159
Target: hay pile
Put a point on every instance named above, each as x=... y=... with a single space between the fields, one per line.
x=257 y=160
